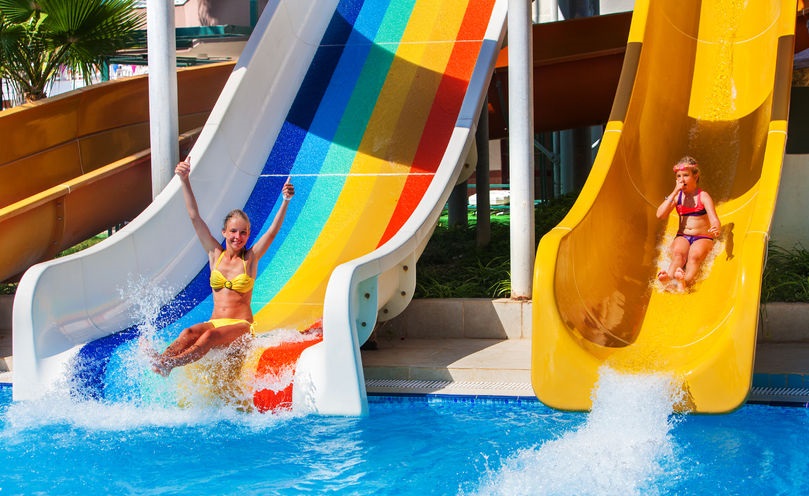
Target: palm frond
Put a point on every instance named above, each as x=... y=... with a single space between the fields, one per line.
x=18 y=11
x=45 y=35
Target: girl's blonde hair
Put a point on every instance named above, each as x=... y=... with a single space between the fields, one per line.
x=236 y=213
x=687 y=162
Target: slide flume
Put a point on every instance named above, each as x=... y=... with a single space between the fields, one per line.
x=709 y=79
x=80 y=162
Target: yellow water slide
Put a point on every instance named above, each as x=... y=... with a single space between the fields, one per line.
x=709 y=79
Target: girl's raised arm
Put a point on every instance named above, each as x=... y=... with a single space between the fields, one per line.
x=182 y=170
x=263 y=243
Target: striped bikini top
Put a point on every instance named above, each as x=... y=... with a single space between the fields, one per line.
x=698 y=209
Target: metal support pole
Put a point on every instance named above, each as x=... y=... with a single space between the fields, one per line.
x=521 y=146
x=546 y=11
x=458 y=205
x=483 y=230
x=163 y=119
x=105 y=69
x=253 y=13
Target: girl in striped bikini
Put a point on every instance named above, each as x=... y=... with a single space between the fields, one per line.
x=699 y=225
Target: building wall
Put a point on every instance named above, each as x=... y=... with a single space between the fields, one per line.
x=789 y=226
x=192 y=13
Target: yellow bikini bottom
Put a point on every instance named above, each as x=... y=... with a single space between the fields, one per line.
x=226 y=322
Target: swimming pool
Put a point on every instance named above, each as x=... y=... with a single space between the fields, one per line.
x=407 y=445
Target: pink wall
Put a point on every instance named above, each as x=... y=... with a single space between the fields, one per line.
x=215 y=12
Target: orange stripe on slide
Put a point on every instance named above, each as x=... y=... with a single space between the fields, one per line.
x=444 y=112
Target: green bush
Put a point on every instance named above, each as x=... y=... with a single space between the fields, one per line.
x=452 y=266
x=786 y=275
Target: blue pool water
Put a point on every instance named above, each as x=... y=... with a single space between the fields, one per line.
x=407 y=445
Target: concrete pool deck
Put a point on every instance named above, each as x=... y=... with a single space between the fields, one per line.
x=481 y=347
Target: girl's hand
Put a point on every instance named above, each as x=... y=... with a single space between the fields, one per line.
x=288 y=191
x=714 y=231
x=183 y=168
x=678 y=188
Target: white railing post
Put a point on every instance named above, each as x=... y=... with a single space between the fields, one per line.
x=163 y=119
x=521 y=146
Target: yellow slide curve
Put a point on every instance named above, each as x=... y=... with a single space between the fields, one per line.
x=709 y=79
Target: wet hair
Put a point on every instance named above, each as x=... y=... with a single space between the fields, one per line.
x=235 y=213
x=687 y=162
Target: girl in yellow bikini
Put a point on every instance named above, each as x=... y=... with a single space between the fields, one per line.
x=233 y=271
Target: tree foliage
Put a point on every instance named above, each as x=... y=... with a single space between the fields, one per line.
x=39 y=37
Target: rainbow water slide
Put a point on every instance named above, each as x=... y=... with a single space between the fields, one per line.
x=709 y=79
x=370 y=107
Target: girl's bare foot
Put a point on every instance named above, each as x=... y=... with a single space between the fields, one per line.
x=679 y=274
x=146 y=348
x=160 y=370
x=159 y=365
x=155 y=359
x=663 y=276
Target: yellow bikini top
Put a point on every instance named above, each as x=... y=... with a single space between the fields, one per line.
x=241 y=283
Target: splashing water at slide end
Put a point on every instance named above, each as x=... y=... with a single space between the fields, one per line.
x=253 y=373
x=623 y=447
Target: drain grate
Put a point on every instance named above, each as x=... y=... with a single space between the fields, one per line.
x=785 y=395
x=451 y=387
x=404 y=383
x=780 y=391
x=780 y=395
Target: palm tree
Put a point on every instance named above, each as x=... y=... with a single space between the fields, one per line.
x=38 y=37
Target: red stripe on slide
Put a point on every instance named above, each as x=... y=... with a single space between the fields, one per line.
x=444 y=112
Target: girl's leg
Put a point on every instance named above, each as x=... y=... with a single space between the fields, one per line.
x=209 y=339
x=186 y=338
x=696 y=255
x=678 y=252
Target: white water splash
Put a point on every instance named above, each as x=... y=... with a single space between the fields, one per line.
x=93 y=415
x=624 y=447
x=162 y=402
x=142 y=399
x=146 y=299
